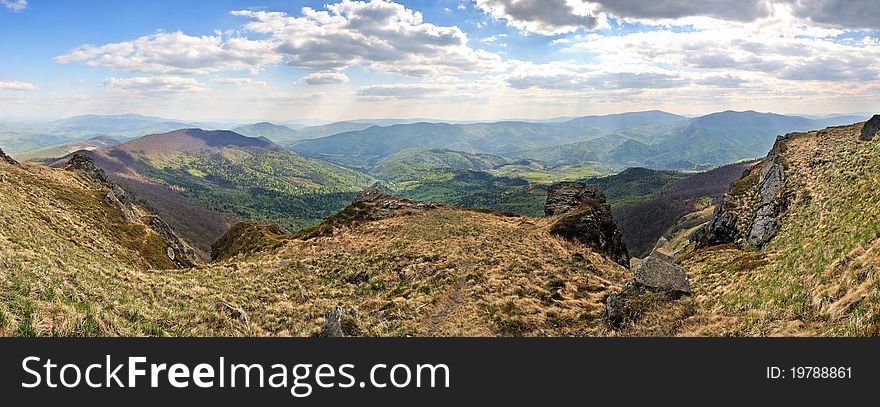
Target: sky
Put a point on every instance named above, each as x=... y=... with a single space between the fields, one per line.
x=440 y=59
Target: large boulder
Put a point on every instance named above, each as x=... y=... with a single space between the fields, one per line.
x=565 y=197
x=657 y=280
x=871 y=128
x=587 y=219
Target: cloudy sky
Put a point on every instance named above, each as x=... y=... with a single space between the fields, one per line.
x=444 y=59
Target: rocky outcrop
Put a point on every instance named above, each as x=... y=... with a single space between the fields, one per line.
x=7 y=159
x=871 y=128
x=771 y=206
x=333 y=324
x=177 y=251
x=565 y=197
x=586 y=218
x=249 y=237
x=117 y=196
x=722 y=229
x=657 y=279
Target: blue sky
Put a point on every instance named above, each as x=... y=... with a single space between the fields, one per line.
x=446 y=59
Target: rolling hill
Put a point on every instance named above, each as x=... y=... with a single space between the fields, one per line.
x=277 y=133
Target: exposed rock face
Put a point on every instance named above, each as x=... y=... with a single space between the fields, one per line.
x=177 y=251
x=7 y=159
x=565 y=197
x=872 y=127
x=657 y=279
x=722 y=229
x=586 y=219
x=771 y=182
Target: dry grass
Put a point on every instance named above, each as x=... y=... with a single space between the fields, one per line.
x=445 y=272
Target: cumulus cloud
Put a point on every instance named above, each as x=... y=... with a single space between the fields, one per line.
x=239 y=81
x=397 y=91
x=857 y=14
x=16 y=85
x=731 y=10
x=177 y=53
x=156 y=84
x=15 y=5
x=325 y=78
x=379 y=34
x=547 y=17
x=579 y=77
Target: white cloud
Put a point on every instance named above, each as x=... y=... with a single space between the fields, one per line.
x=16 y=85
x=546 y=17
x=379 y=34
x=397 y=91
x=224 y=80
x=577 y=77
x=15 y=5
x=156 y=84
x=177 y=53
x=325 y=78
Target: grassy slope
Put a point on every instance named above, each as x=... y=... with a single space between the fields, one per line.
x=443 y=272
x=819 y=274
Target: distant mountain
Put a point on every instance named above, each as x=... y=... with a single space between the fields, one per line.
x=377 y=142
x=698 y=143
x=622 y=120
x=314 y=132
x=126 y=125
x=16 y=143
x=277 y=133
x=51 y=154
x=408 y=164
x=200 y=181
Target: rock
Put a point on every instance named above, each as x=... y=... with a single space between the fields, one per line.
x=772 y=179
x=177 y=250
x=871 y=128
x=85 y=165
x=586 y=219
x=657 y=279
x=333 y=325
x=237 y=314
x=565 y=197
x=722 y=229
x=7 y=159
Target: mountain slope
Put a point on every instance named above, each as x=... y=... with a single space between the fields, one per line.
x=409 y=165
x=200 y=181
x=278 y=134
x=800 y=242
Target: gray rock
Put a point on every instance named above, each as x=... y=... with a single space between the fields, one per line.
x=657 y=278
x=871 y=128
x=565 y=197
x=237 y=314
x=333 y=325
x=177 y=250
x=772 y=179
x=587 y=219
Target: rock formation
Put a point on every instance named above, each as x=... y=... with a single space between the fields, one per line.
x=771 y=206
x=586 y=218
x=117 y=196
x=7 y=158
x=177 y=250
x=656 y=279
x=333 y=324
x=872 y=127
x=237 y=314
x=565 y=197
